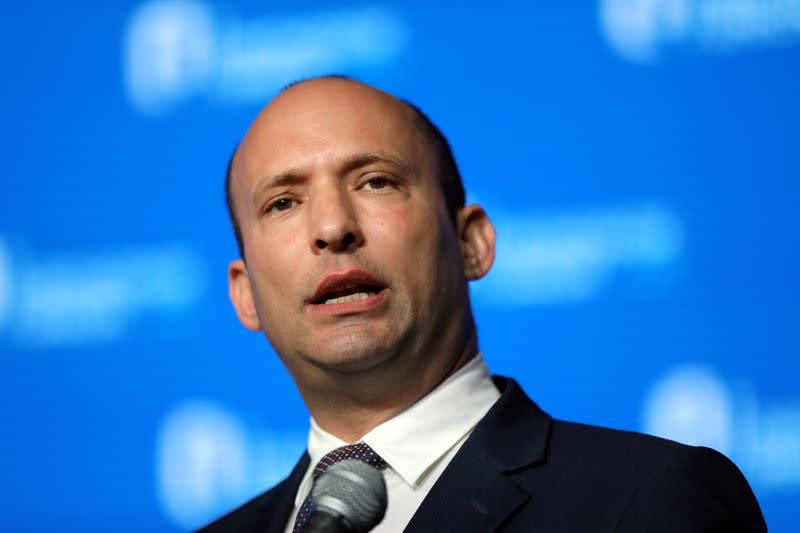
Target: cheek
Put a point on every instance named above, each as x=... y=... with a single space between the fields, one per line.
x=411 y=241
x=275 y=270
x=404 y=232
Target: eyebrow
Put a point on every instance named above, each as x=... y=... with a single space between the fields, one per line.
x=363 y=159
x=353 y=162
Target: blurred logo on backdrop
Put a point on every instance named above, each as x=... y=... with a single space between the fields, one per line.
x=694 y=405
x=643 y=31
x=210 y=460
x=177 y=50
x=98 y=296
x=573 y=257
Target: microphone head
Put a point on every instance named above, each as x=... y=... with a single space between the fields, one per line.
x=353 y=490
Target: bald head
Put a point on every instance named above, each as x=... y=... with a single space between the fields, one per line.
x=335 y=98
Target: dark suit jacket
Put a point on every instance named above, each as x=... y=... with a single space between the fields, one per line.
x=520 y=470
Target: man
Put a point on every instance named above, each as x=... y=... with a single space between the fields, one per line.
x=356 y=252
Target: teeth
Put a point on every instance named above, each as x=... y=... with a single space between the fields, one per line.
x=350 y=298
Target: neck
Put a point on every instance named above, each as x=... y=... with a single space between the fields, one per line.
x=351 y=405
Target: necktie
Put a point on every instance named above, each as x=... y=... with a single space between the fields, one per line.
x=360 y=451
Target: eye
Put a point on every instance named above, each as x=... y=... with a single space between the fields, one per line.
x=281 y=204
x=376 y=183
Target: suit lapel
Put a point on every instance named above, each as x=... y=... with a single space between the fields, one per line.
x=281 y=504
x=475 y=492
x=472 y=495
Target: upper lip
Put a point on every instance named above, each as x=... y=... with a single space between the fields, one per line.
x=342 y=281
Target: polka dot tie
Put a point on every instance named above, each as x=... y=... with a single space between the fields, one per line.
x=360 y=451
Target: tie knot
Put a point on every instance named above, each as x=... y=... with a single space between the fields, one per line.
x=360 y=451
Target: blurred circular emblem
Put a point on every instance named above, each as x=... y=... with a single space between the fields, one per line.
x=692 y=405
x=169 y=53
x=637 y=28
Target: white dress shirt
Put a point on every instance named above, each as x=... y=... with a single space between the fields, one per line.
x=417 y=444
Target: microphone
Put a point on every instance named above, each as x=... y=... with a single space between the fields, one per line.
x=349 y=497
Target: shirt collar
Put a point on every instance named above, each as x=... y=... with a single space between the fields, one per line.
x=413 y=440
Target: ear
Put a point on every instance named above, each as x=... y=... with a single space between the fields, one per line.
x=477 y=238
x=241 y=295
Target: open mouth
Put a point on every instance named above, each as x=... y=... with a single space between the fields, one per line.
x=347 y=287
x=343 y=295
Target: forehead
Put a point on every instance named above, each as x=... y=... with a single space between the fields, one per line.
x=321 y=122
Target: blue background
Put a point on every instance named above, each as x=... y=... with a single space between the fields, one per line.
x=637 y=158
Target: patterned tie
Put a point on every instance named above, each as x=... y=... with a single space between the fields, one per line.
x=359 y=451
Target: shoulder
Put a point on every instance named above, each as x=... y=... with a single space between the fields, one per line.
x=268 y=511
x=246 y=516
x=658 y=484
x=586 y=442
x=583 y=477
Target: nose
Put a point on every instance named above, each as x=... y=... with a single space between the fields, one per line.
x=333 y=223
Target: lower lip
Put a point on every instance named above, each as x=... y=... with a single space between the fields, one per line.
x=350 y=308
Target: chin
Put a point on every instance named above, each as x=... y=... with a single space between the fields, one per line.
x=352 y=355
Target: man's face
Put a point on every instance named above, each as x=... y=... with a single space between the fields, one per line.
x=351 y=258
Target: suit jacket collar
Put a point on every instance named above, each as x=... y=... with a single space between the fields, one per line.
x=513 y=435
